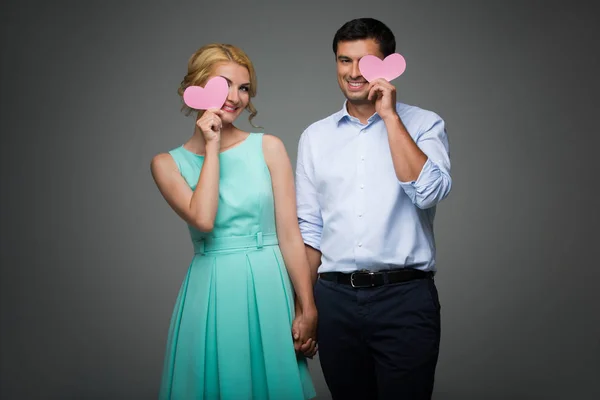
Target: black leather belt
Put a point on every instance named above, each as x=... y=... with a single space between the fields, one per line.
x=366 y=279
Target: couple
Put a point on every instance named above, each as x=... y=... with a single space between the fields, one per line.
x=355 y=230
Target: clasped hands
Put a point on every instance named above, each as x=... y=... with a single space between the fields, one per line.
x=304 y=331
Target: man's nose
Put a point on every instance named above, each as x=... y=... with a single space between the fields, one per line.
x=355 y=72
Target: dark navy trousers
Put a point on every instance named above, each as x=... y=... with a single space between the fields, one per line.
x=379 y=343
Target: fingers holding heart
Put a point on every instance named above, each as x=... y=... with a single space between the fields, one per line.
x=211 y=98
x=380 y=88
x=374 y=91
x=384 y=95
x=379 y=73
x=210 y=124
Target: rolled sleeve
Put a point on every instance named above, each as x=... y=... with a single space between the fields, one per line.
x=434 y=181
x=309 y=212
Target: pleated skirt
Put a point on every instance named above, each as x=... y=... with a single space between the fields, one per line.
x=230 y=332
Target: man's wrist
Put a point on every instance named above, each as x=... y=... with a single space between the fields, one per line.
x=392 y=119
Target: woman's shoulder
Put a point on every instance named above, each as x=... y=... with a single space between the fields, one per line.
x=274 y=150
x=167 y=160
x=161 y=160
x=272 y=144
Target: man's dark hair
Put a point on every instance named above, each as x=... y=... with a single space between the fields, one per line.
x=366 y=28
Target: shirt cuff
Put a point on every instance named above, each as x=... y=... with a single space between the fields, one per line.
x=426 y=177
x=312 y=239
x=422 y=178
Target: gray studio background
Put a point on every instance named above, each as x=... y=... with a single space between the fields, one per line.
x=92 y=257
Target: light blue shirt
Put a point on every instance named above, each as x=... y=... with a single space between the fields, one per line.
x=351 y=205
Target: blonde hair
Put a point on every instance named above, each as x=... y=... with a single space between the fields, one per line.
x=202 y=63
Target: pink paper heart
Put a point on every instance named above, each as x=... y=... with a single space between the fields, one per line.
x=212 y=95
x=391 y=67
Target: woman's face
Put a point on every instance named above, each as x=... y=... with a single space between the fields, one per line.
x=238 y=78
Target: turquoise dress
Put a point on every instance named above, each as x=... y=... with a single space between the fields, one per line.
x=230 y=333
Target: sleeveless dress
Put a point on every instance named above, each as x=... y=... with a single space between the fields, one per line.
x=230 y=332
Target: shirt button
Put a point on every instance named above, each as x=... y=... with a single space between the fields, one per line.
x=359 y=215
x=359 y=244
x=362 y=186
x=362 y=158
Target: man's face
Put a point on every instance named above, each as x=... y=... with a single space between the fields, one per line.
x=352 y=83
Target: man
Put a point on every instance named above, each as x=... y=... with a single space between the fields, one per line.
x=368 y=180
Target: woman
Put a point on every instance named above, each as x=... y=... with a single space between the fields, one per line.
x=231 y=331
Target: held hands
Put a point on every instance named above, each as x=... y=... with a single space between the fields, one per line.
x=384 y=94
x=210 y=125
x=304 y=332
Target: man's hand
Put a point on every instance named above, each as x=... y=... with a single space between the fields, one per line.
x=384 y=94
x=304 y=333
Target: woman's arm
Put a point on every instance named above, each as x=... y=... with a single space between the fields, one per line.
x=199 y=207
x=288 y=232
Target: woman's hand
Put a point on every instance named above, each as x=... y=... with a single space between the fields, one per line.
x=304 y=332
x=210 y=125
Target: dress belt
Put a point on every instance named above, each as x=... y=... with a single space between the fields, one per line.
x=257 y=241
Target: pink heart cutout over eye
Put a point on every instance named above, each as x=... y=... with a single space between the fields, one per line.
x=212 y=95
x=390 y=68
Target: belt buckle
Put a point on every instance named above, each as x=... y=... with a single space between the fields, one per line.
x=364 y=271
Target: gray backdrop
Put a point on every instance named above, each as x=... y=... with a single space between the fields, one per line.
x=92 y=257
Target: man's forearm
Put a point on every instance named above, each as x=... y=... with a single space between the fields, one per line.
x=314 y=260
x=407 y=157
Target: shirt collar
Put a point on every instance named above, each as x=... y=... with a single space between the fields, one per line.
x=343 y=114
